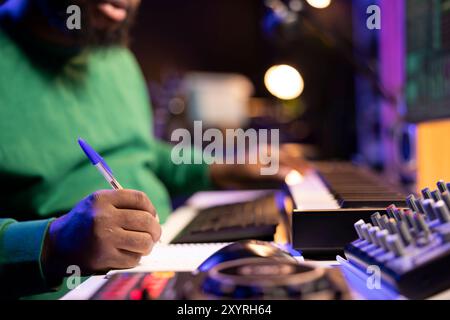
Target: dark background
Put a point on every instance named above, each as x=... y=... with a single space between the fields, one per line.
x=232 y=36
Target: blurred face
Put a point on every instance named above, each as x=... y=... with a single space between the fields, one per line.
x=103 y=22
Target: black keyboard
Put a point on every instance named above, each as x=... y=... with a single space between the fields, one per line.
x=255 y=219
x=356 y=187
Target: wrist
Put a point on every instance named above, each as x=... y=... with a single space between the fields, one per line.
x=50 y=261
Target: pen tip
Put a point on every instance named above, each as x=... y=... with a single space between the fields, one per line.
x=90 y=153
x=93 y=156
x=83 y=144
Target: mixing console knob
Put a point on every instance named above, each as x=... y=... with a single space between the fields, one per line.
x=357 y=226
x=398 y=215
x=382 y=239
x=429 y=211
x=426 y=193
x=441 y=186
x=420 y=206
x=373 y=236
x=392 y=226
x=409 y=217
x=404 y=232
x=421 y=224
x=395 y=245
x=384 y=222
x=410 y=201
x=442 y=212
x=390 y=211
x=376 y=219
x=446 y=198
x=365 y=231
x=436 y=195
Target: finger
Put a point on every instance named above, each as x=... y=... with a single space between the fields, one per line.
x=128 y=199
x=141 y=221
x=137 y=242
x=135 y=220
x=126 y=259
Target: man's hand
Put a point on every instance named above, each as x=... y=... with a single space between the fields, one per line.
x=237 y=176
x=108 y=229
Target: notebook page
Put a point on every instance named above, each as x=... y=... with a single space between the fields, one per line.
x=175 y=257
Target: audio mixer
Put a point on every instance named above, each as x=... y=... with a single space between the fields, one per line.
x=411 y=246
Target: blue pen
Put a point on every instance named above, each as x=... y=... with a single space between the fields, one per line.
x=101 y=166
x=99 y=163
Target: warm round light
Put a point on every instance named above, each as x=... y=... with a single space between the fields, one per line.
x=284 y=82
x=319 y=4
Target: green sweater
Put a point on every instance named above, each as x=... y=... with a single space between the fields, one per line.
x=49 y=98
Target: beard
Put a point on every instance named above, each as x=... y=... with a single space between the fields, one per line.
x=95 y=30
